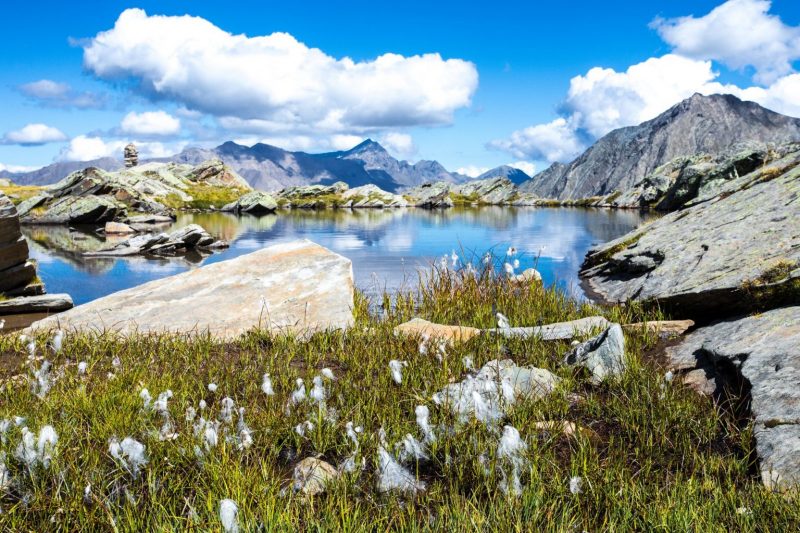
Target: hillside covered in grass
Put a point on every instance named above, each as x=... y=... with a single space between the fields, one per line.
x=170 y=433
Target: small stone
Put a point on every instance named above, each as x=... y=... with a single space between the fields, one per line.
x=603 y=356
x=312 y=475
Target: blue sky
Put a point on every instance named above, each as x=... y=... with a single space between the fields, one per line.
x=500 y=92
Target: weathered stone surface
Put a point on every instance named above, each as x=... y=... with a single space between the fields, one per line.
x=417 y=327
x=603 y=356
x=180 y=241
x=254 y=203
x=494 y=191
x=46 y=303
x=118 y=228
x=297 y=287
x=13 y=253
x=431 y=195
x=150 y=219
x=79 y=210
x=140 y=188
x=312 y=475
x=498 y=385
x=15 y=270
x=17 y=276
x=662 y=328
x=557 y=331
x=372 y=196
x=735 y=253
x=764 y=350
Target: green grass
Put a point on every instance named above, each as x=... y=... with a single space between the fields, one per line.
x=20 y=193
x=203 y=197
x=667 y=459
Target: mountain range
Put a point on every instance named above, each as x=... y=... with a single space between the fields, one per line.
x=623 y=157
x=270 y=168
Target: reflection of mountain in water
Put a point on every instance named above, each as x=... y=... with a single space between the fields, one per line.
x=387 y=245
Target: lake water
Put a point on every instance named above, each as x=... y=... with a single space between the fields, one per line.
x=387 y=247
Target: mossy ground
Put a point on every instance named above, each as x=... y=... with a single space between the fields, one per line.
x=204 y=197
x=667 y=459
x=20 y=193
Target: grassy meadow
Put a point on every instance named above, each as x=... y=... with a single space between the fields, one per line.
x=657 y=457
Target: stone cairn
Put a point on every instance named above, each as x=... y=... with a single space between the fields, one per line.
x=131 y=156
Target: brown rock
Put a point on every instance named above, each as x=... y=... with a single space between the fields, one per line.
x=311 y=476
x=417 y=327
x=118 y=228
x=662 y=328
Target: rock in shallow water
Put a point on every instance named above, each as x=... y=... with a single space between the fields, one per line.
x=297 y=287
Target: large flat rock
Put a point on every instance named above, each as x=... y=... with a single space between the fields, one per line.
x=732 y=254
x=297 y=287
x=763 y=349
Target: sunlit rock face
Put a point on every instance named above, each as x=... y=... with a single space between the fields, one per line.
x=297 y=287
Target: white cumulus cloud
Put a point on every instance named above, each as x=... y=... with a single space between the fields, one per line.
x=554 y=141
x=400 y=145
x=472 y=171
x=56 y=94
x=34 y=134
x=150 y=123
x=527 y=167
x=87 y=148
x=738 y=33
x=275 y=79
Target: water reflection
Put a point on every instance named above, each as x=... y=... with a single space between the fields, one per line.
x=387 y=247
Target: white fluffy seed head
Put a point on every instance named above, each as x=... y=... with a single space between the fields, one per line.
x=229 y=515
x=212 y=387
x=266 y=385
x=82 y=367
x=396 y=368
x=576 y=485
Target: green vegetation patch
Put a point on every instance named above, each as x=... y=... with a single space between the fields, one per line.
x=20 y=193
x=204 y=197
x=660 y=458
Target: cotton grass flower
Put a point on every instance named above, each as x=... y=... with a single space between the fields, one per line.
x=327 y=373
x=266 y=385
x=32 y=349
x=245 y=434
x=116 y=362
x=40 y=385
x=468 y=363
x=37 y=451
x=423 y=421
x=229 y=516
x=516 y=264
x=410 y=448
x=502 y=321
x=226 y=410
x=130 y=454
x=576 y=484
x=302 y=427
x=511 y=252
x=396 y=368
x=299 y=394
x=82 y=367
x=212 y=387
x=511 y=450
x=57 y=341
x=668 y=377
x=144 y=394
x=393 y=477
x=318 y=393
x=509 y=268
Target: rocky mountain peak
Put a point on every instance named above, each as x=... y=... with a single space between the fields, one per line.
x=700 y=124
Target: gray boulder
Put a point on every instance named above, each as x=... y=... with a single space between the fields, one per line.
x=431 y=195
x=603 y=355
x=254 y=203
x=734 y=253
x=493 y=191
x=297 y=288
x=372 y=196
x=557 y=331
x=758 y=354
x=79 y=210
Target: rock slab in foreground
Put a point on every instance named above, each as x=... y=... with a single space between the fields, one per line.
x=765 y=350
x=297 y=287
x=729 y=255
